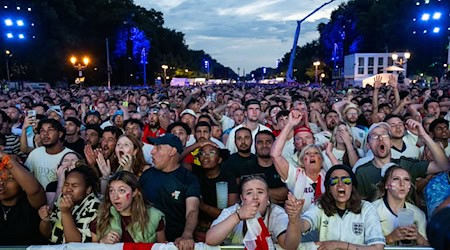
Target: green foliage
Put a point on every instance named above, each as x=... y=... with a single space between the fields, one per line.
x=80 y=27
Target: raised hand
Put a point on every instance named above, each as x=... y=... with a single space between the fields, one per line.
x=295 y=117
x=377 y=82
x=125 y=161
x=90 y=155
x=293 y=206
x=103 y=165
x=415 y=127
x=393 y=81
x=248 y=210
x=66 y=204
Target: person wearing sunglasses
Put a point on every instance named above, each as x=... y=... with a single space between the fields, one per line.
x=343 y=220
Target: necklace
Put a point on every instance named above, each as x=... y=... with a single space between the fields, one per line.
x=5 y=213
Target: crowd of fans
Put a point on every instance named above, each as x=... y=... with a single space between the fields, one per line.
x=325 y=165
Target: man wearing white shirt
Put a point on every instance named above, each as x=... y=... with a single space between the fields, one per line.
x=252 y=113
x=403 y=143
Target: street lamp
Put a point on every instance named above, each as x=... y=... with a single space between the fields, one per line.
x=395 y=58
x=165 y=67
x=316 y=65
x=8 y=54
x=80 y=66
x=207 y=68
x=321 y=77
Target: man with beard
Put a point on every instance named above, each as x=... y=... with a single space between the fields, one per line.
x=44 y=160
x=92 y=117
x=108 y=142
x=92 y=135
x=15 y=115
x=234 y=163
x=379 y=141
x=73 y=139
x=263 y=165
x=440 y=133
x=403 y=144
x=252 y=113
x=350 y=116
x=153 y=127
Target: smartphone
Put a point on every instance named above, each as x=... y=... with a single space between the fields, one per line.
x=125 y=104
x=31 y=113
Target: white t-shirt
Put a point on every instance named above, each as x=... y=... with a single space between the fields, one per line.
x=276 y=223
x=339 y=154
x=361 y=229
x=226 y=122
x=231 y=145
x=43 y=165
x=300 y=185
x=192 y=140
x=146 y=150
x=389 y=220
x=411 y=151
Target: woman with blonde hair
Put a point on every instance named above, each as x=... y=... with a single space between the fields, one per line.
x=342 y=147
x=306 y=180
x=124 y=216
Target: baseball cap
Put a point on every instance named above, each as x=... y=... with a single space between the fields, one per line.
x=250 y=102
x=167 y=139
x=379 y=125
x=188 y=111
x=179 y=124
x=302 y=129
x=92 y=112
x=57 y=111
x=74 y=120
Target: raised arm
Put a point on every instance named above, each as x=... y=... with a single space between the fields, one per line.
x=440 y=163
x=293 y=207
x=281 y=164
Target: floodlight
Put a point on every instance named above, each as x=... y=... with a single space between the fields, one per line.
x=21 y=36
x=9 y=35
x=437 y=15
x=8 y=22
x=436 y=30
x=425 y=17
x=19 y=22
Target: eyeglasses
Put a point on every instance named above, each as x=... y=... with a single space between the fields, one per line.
x=210 y=154
x=347 y=180
x=376 y=137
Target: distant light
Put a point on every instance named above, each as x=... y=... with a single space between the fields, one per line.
x=436 y=15
x=425 y=17
x=417 y=3
x=19 y=23
x=32 y=24
x=427 y=1
x=9 y=35
x=414 y=32
x=414 y=19
x=5 y=6
x=21 y=36
x=436 y=30
x=8 y=22
x=29 y=9
x=425 y=31
x=34 y=36
x=18 y=8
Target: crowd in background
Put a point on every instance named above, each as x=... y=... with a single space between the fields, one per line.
x=338 y=167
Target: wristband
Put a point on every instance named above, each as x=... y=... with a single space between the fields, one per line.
x=237 y=213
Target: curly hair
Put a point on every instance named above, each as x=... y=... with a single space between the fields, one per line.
x=139 y=215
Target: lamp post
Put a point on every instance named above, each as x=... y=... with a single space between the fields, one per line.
x=207 y=69
x=8 y=54
x=321 y=77
x=316 y=65
x=395 y=58
x=165 y=67
x=80 y=65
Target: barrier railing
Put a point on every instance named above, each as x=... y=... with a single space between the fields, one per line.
x=166 y=246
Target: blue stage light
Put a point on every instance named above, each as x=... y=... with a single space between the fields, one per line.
x=437 y=15
x=8 y=22
x=9 y=35
x=425 y=17
x=19 y=23
x=436 y=30
x=21 y=36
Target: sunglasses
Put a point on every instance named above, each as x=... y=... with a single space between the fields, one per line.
x=210 y=154
x=347 y=180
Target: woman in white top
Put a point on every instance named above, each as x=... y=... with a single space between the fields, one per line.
x=343 y=147
x=343 y=220
x=393 y=192
x=306 y=180
x=236 y=223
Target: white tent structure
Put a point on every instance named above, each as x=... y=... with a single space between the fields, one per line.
x=384 y=79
